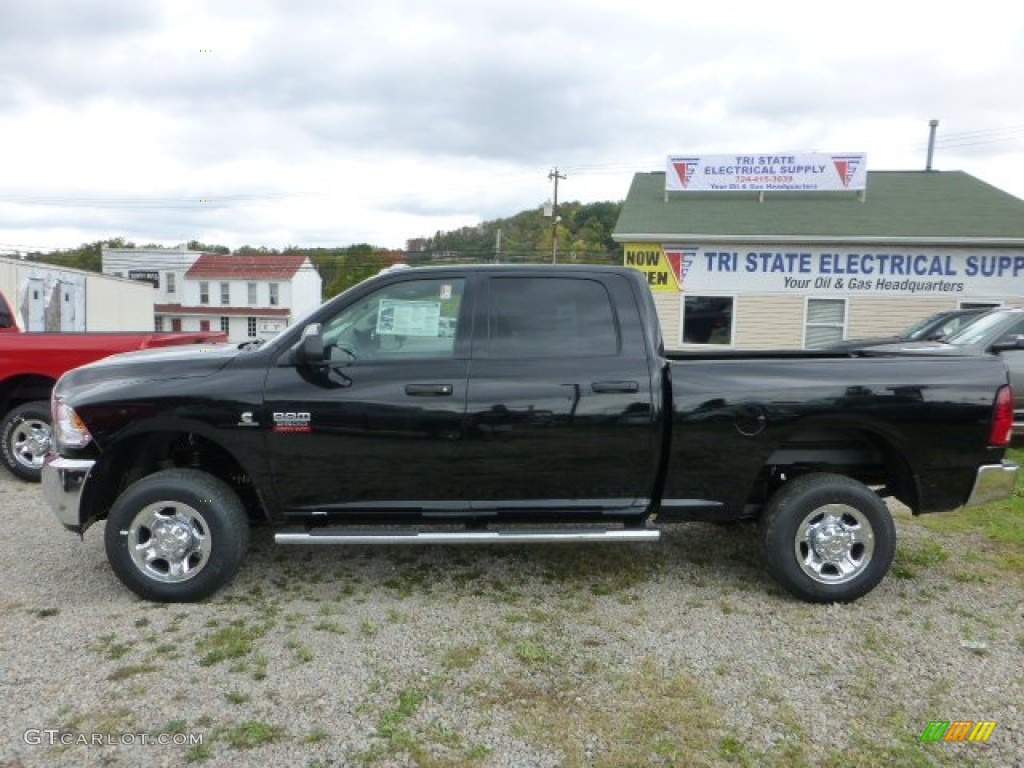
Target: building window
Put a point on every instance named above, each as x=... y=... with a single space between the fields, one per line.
x=225 y=324
x=252 y=327
x=252 y=294
x=175 y=323
x=204 y=293
x=225 y=293
x=707 y=320
x=273 y=294
x=826 y=322
x=169 y=277
x=158 y=323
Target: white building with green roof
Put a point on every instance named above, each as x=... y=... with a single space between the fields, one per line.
x=793 y=269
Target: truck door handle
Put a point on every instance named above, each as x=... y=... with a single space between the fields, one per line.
x=428 y=390
x=607 y=387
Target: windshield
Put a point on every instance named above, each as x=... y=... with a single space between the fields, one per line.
x=981 y=329
x=918 y=328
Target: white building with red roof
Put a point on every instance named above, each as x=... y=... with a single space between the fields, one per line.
x=247 y=296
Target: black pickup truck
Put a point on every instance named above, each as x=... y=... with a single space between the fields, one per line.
x=514 y=404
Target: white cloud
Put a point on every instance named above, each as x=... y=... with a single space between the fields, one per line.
x=326 y=123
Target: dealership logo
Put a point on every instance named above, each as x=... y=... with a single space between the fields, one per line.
x=684 y=167
x=680 y=260
x=846 y=167
x=958 y=730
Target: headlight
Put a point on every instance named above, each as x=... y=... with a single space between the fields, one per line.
x=69 y=430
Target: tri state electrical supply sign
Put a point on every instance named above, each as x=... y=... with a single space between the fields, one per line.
x=846 y=272
x=780 y=172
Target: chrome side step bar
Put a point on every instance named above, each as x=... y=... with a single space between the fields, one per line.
x=342 y=536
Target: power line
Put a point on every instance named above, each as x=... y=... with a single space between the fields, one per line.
x=977 y=137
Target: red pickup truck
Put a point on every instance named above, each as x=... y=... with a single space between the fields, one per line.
x=31 y=363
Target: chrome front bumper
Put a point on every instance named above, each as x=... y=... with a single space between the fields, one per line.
x=63 y=480
x=994 y=482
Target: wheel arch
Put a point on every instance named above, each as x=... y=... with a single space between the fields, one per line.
x=25 y=388
x=866 y=452
x=144 y=454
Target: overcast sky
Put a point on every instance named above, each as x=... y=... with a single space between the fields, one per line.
x=331 y=122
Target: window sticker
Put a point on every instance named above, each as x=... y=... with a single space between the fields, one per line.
x=409 y=318
x=446 y=291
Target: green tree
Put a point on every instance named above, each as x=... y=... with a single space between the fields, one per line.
x=195 y=245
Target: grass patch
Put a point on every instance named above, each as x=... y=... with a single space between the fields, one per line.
x=197 y=753
x=1000 y=523
x=301 y=651
x=392 y=729
x=461 y=657
x=660 y=717
x=131 y=670
x=109 y=648
x=231 y=642
x=533 y=653
x=913 y=557
x=252 y=733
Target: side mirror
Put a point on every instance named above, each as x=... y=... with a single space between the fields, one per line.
x=310 y=349
x=1008 y=342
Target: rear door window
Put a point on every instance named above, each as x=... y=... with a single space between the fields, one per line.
x=550 y=317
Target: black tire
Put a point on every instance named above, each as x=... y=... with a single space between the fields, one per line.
x=177 y=536
x=827 y=538
x=25 y=438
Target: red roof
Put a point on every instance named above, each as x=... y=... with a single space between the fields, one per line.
x=178 y=309
x=242 y=267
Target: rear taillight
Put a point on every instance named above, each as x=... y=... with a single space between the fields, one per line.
x=1002 y=418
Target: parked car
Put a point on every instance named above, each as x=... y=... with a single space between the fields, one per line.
x=31 y=363
x=931 y=328
x=514 y=404
x=997 y=332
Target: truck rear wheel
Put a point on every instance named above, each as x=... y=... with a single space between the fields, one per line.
x=25 y=436
x=827 y=538
x=177 y=536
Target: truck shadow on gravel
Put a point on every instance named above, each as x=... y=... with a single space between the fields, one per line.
x=693 y=555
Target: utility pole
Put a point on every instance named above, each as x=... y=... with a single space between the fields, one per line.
x=555 y=176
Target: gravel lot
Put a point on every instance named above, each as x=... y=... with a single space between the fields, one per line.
x=676 y=653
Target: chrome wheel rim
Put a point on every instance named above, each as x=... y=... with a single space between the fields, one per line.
x=169 y=542
x=834 y=544
x=30 y=442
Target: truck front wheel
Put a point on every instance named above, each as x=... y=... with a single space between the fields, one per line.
x=25 y=439
x=177 y=536
x=827 y=538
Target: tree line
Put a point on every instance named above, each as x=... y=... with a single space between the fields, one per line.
x=583 y=232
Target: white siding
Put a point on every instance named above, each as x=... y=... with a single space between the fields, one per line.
x=305 y=290
x=118 y=305
x=768 y=322
x=669 y=307
x=878 y=316
x=102 y=303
